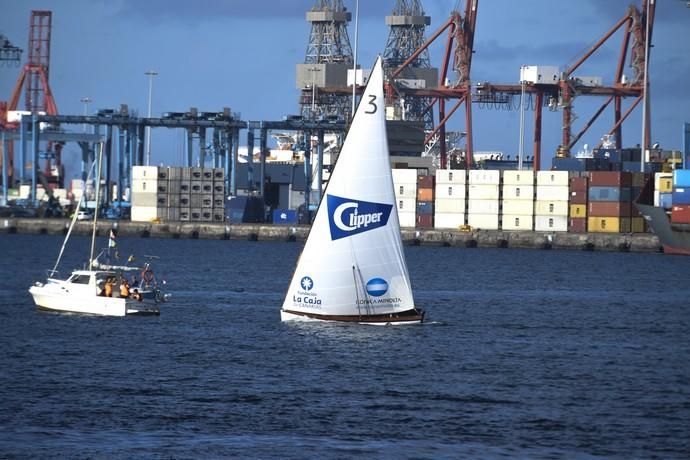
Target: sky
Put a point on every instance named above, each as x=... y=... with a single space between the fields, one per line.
x=242 y=54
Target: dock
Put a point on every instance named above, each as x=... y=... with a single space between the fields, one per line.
x=617 y=242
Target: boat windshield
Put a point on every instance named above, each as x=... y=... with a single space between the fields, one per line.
x=80 y=279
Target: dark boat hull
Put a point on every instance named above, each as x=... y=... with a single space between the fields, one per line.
x=413 y=316
x=673 y=239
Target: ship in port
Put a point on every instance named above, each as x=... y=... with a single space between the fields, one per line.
x=668 y=215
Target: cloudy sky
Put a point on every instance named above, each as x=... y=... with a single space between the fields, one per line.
x=241 y=54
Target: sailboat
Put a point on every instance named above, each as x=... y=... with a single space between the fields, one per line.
x=96 y=290
x=352 y=267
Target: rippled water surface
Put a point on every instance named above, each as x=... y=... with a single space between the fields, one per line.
x=526 y=354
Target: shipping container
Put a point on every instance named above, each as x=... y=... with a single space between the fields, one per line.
x=163 y=174
x=680 y=214
x=511 y=177
x=578 y=210
x=449 y=205
x=405 y=190
x=639 y=179
x=483 y=192
x=484 y=177
x=663 y=182
x=162 y=200
x=144 y=186
x=550 y=208
x=449 y=190
x=578 y=184
x=185 y=200
x=425 y=194
x=553 y=178
x=144 y=199
x=406 y=176
x=218 y=175
x=663 y=200
x=610 y=179
x=517 y=222
x=553 y=192
x=518 y=192
x=578 y=196
x=195 y=187
x=173 y=214
x=638 y=225
x=482 y=207
x=577 y=225
x=610 y=224
x=145 y=172
x=483 y=221
x=450 y=176
x=681 y=178
x=425 y=181
x=196 y=174
x=551 y=223
x=609 y=209
x=449 y=220
x=425 y=207
x=144 y=213
x=681 y=195
x=518 y=207
x=407 y=205
x=608 y=193
x=425 y=221
x=206 y=201
x=407 y=219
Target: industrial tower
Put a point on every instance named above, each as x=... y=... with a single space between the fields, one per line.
x=407 y=34
x=9 y=52
x=328 y=58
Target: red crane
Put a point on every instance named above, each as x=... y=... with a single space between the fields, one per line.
x=34 y=79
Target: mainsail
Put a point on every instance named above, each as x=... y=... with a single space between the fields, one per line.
x=353 y=263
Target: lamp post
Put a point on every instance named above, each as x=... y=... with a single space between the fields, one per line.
x=150 y=74
x=86 y=100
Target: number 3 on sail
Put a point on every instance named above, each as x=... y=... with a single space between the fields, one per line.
x=353 y=265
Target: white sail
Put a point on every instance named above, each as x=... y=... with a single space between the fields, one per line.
x=353 y=263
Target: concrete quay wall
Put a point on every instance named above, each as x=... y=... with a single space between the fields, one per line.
x=635 y=242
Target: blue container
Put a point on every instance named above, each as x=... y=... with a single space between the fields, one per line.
x=609 y=194
x=666 y=200
x=284 y=216
x=681 y=178
x=425 y=207
x=681 y=195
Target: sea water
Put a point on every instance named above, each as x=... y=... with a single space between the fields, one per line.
x=525 y=354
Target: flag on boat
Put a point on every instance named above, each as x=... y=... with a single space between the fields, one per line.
x=111 y=240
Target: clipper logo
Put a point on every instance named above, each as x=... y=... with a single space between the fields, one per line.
x=348 y=217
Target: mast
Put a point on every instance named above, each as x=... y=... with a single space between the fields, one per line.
x=95 y=213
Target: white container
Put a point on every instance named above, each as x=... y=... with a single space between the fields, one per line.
x=144 y=213
x=406 y=190
x=449 y=205
x=658 y=177
x=407 y=219
x=518 y=192
x=553 y=178
x=483 y=221
x=450 y=176
x=518 y=207
x=517 y=222
x=514 y=177
x=553 y=192
x=406 y=205
x=144 y=199
x=482 y=207
x=144 y=186
x=551 y=223
x=145 y=172
x=448 y=220
x=404 y=176
x=483 y=192
x=541 y=74
x=449 y=190
x=484 y=177
x=551 y=208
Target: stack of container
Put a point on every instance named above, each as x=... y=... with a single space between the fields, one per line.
x=144 y=193
x=483 y=199
x=551 y=207
x=518 y=200
x=578 y=205
x=450 y=191
x=637 y=222
x=680 y=211
x=610 y=206
x=663 y=190
x=425 y=201
x=405 y=185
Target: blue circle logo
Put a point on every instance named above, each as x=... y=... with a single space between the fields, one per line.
x=377 y=287
x=306 y=283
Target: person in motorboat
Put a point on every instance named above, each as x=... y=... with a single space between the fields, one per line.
x=124 y=288
x=136 y=295
x=108 y=289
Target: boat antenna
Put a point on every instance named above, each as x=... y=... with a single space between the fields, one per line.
x=98 y=192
